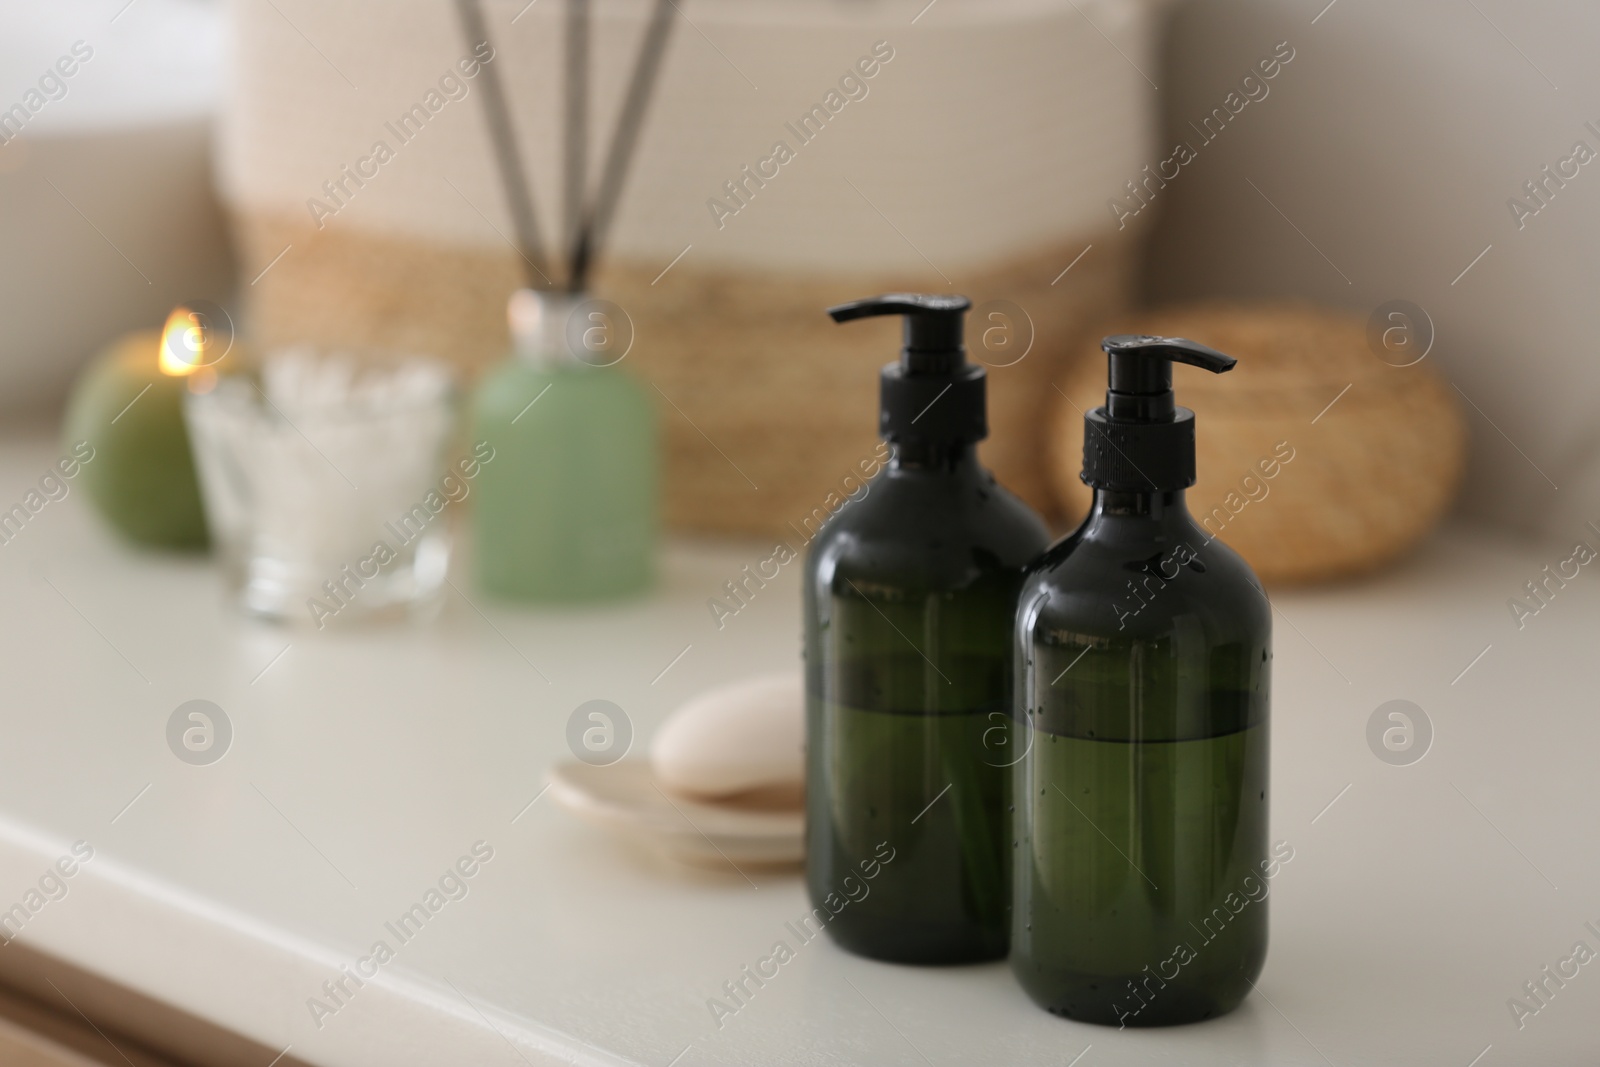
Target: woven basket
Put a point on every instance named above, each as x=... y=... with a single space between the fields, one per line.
x=1367 y=476
x=977 y=159
x=766 y=404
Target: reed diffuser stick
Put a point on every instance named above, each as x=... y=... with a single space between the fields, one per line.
x=518 y=188
x=576 y=134
x=592 y=233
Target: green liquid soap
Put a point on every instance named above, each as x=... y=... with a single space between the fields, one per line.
x=920 y=780
x=566 y=510
x=910 y=595
x=1141 y=864
x=1137 y=927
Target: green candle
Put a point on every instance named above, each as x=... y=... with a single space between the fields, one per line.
x=128 y=404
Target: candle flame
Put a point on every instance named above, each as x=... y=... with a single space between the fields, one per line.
x=183 y=344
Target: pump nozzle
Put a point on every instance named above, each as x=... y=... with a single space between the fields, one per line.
x=1141 y=367
x=933 y=393
x=1141 y=441
x=933 y=323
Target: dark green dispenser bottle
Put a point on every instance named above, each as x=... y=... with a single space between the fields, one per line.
x=1143 y=663
x=910 y=597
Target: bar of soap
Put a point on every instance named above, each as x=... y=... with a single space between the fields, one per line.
x=744 y=740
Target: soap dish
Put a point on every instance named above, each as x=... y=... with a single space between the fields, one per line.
x=625 y=799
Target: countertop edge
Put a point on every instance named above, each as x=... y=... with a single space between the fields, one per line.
x=113 y=921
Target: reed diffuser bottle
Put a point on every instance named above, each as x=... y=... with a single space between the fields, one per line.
x=910 y=592
x=567 y=508
x=1144 y=654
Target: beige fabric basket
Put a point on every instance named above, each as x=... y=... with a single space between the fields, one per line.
x=766 y=404
x=979 y=160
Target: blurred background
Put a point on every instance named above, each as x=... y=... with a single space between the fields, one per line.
x=178 y=163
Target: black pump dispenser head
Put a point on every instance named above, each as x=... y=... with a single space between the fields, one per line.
x=932 y=394
x=1141 y=441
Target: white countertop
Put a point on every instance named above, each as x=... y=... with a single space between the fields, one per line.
x=365 y=763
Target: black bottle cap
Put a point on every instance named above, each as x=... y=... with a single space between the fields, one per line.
x=932 y=394
x=1141 y=441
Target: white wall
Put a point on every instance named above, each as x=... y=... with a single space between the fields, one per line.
x=1394 y=140
x=107 y=215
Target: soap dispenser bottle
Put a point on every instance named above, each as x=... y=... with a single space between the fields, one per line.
x=1143 y=662
x=566 y=508
x=910 y=596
